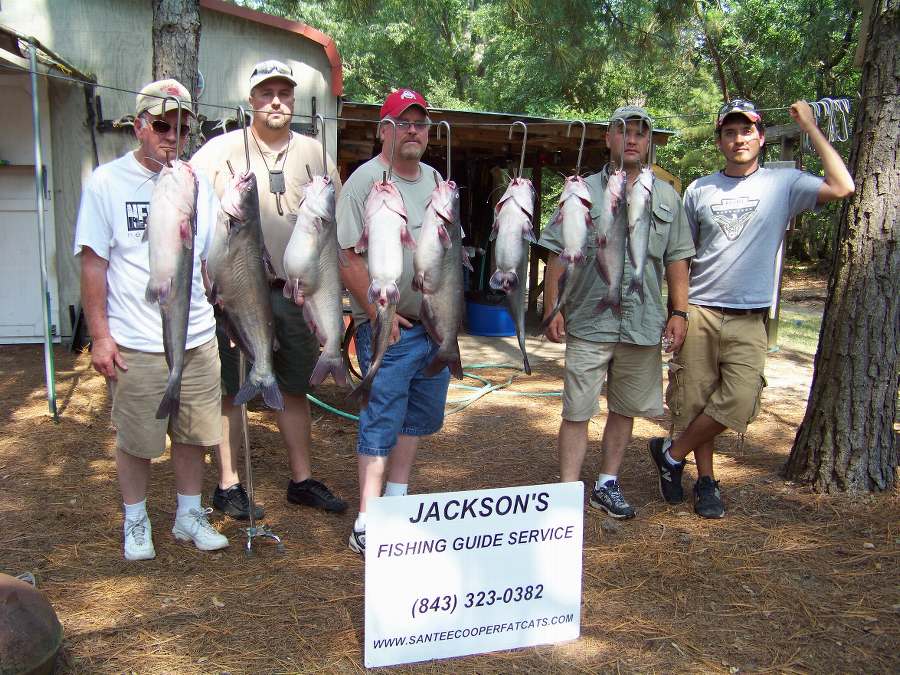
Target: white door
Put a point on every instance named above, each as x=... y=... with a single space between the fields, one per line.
x=21 y=295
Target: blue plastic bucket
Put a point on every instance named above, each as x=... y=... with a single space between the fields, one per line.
x=489 y=320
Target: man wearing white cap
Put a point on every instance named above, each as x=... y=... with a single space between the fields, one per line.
x=280 y=158
x=127 y=330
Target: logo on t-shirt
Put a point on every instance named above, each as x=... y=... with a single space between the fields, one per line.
x=136 y=217
x=732 y=215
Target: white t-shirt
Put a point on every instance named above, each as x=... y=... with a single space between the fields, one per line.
x=111 y=221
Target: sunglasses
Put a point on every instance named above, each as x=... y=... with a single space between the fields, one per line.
x=162 y=127
x=271 y=67
x=405 y=126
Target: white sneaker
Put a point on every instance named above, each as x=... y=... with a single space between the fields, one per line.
x=139 y=540
x=193 y=526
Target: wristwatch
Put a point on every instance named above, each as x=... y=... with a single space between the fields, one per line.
x=678 y=312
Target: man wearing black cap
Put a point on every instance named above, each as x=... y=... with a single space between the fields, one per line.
x=738 y=217
x=281 y=160
x=404 y=404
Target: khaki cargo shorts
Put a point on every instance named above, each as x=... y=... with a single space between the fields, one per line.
x=719 y=369
x=136 y=394
x=635 y=379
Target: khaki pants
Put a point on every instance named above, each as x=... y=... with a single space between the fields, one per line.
x=718 y=370
x=635 y=379
x=136 y=394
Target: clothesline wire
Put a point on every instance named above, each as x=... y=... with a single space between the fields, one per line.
x=234 y=108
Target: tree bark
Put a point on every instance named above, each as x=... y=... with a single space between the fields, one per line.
x=176 y=47
x=847 y=440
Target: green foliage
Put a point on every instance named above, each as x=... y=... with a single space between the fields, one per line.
x=584 y=58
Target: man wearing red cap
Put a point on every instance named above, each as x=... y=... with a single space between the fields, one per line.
x=738 y=217
x=404 y=403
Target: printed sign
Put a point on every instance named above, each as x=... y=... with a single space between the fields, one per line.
x=461 y=573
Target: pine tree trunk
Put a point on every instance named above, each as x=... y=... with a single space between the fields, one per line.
x=847 y=441
x=176 y=47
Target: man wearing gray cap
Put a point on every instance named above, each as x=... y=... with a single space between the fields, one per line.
x=613 y=327
x=279 y=157
x=126 y=329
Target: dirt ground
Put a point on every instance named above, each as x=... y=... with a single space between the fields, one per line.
x=788 y=581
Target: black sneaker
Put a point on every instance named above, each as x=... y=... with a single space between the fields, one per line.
x=311 y=492
x=708 y=499
x=608 y=497
x=358 y=541
x=669 y=476
x=234 y=502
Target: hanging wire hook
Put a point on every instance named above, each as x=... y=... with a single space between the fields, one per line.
x=242 y=117
x=624 y=129
x=390 y=171
x=318 y=117
x=581 y=144
x=651 y=148
x=842 y=105
x=177 y=102
x=524 y=142
x=446 y=124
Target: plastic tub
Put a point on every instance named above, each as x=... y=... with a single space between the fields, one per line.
x=489 y=320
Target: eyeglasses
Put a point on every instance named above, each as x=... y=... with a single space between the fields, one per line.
x=162 y=127
x=271 y=67
x=404 y=126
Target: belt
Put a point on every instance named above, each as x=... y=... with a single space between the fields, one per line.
x=735 y=311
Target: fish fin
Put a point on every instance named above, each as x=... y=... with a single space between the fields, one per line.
x=212 y=295
x=444 y=237
x=360 y=395
x=505 y=281
x=601 y=270
x=418 y=282
x=637 y=286
x=525 y=365
x=170 y=401
x=407 y=239
x=186 y=231
x=445 y=359
x=605 y=303
x=494 y=230
x=158 y=293
x=363 y=242
x=343 y=260
x=528 y=233
x=374 y=293
x=468 y=252
x=392 y=294
x=310 y=319
x=318 y=223
x=329 y=365
x=289 y=288
x=267 y=264
x=248 y=392
x=272 y=396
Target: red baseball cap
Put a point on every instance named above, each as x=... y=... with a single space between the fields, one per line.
x=401 y=99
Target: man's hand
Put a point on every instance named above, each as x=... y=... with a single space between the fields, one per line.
x=802 y=114
x=105 y=357
x=556 y=329
x=674 y=334
x=399 y=321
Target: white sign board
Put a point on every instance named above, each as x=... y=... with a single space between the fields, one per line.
x=461 y=573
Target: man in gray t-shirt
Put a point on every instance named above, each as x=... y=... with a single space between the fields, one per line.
x=404 y=403
x=738 y=217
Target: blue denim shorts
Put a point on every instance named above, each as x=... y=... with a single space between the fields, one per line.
x=403 y=400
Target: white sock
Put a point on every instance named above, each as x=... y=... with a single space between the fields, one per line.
x=395 y=489
x=360 y=523
x=186 y=503
x=137 y=511
x=603 y=479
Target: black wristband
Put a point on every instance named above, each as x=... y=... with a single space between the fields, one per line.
x=678 y=312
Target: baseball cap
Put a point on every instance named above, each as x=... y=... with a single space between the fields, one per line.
x=151 y=98
x=631 y=112
x=738 y=106
x=401 y=99
x=269 y=70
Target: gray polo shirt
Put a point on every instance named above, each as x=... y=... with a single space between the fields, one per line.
x=670 y=240
x=351 y=207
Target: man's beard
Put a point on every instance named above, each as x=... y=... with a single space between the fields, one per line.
x=278 y=122
x=411 y=151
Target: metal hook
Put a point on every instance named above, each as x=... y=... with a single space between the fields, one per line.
x=177 y=121
x=444 y=123
x=524 y=142
x=318 y=117
x=624 y=130
x=242 y=117
x=390 y=171
x=580 y=145
x=842 y=105
x=651 y=147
